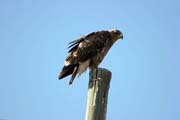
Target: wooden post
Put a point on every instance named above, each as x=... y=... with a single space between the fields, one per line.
x=99 y=82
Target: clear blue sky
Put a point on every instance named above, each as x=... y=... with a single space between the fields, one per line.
x=145 y=65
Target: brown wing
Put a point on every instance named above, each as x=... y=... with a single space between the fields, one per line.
x=87 y=46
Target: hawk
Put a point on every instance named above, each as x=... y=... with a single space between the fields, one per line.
x=88 y=51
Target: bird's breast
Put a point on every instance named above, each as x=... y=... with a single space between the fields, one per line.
x=97 y=59
x=83 y=66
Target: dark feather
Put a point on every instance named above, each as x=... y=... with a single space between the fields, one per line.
x=73 y=74
x=74 y=44
x=66 y=70
x=73 y=48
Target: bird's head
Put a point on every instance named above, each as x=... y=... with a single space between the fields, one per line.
x=116 y=34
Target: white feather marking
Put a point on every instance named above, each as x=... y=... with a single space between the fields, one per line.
x=80 y=45
x=112 y=30
x=66 y=63
x=75 y=54
x=82 y=67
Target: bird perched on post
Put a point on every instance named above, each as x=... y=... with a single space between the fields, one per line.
x=88 y=51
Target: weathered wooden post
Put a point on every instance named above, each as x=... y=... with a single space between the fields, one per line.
x=99 y=82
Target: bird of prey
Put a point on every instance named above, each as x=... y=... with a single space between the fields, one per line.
x=88 y=51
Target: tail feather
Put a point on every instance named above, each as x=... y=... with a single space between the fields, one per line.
x=68 y=70
x=73 y=75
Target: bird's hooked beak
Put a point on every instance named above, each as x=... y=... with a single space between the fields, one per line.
x=121 y=36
